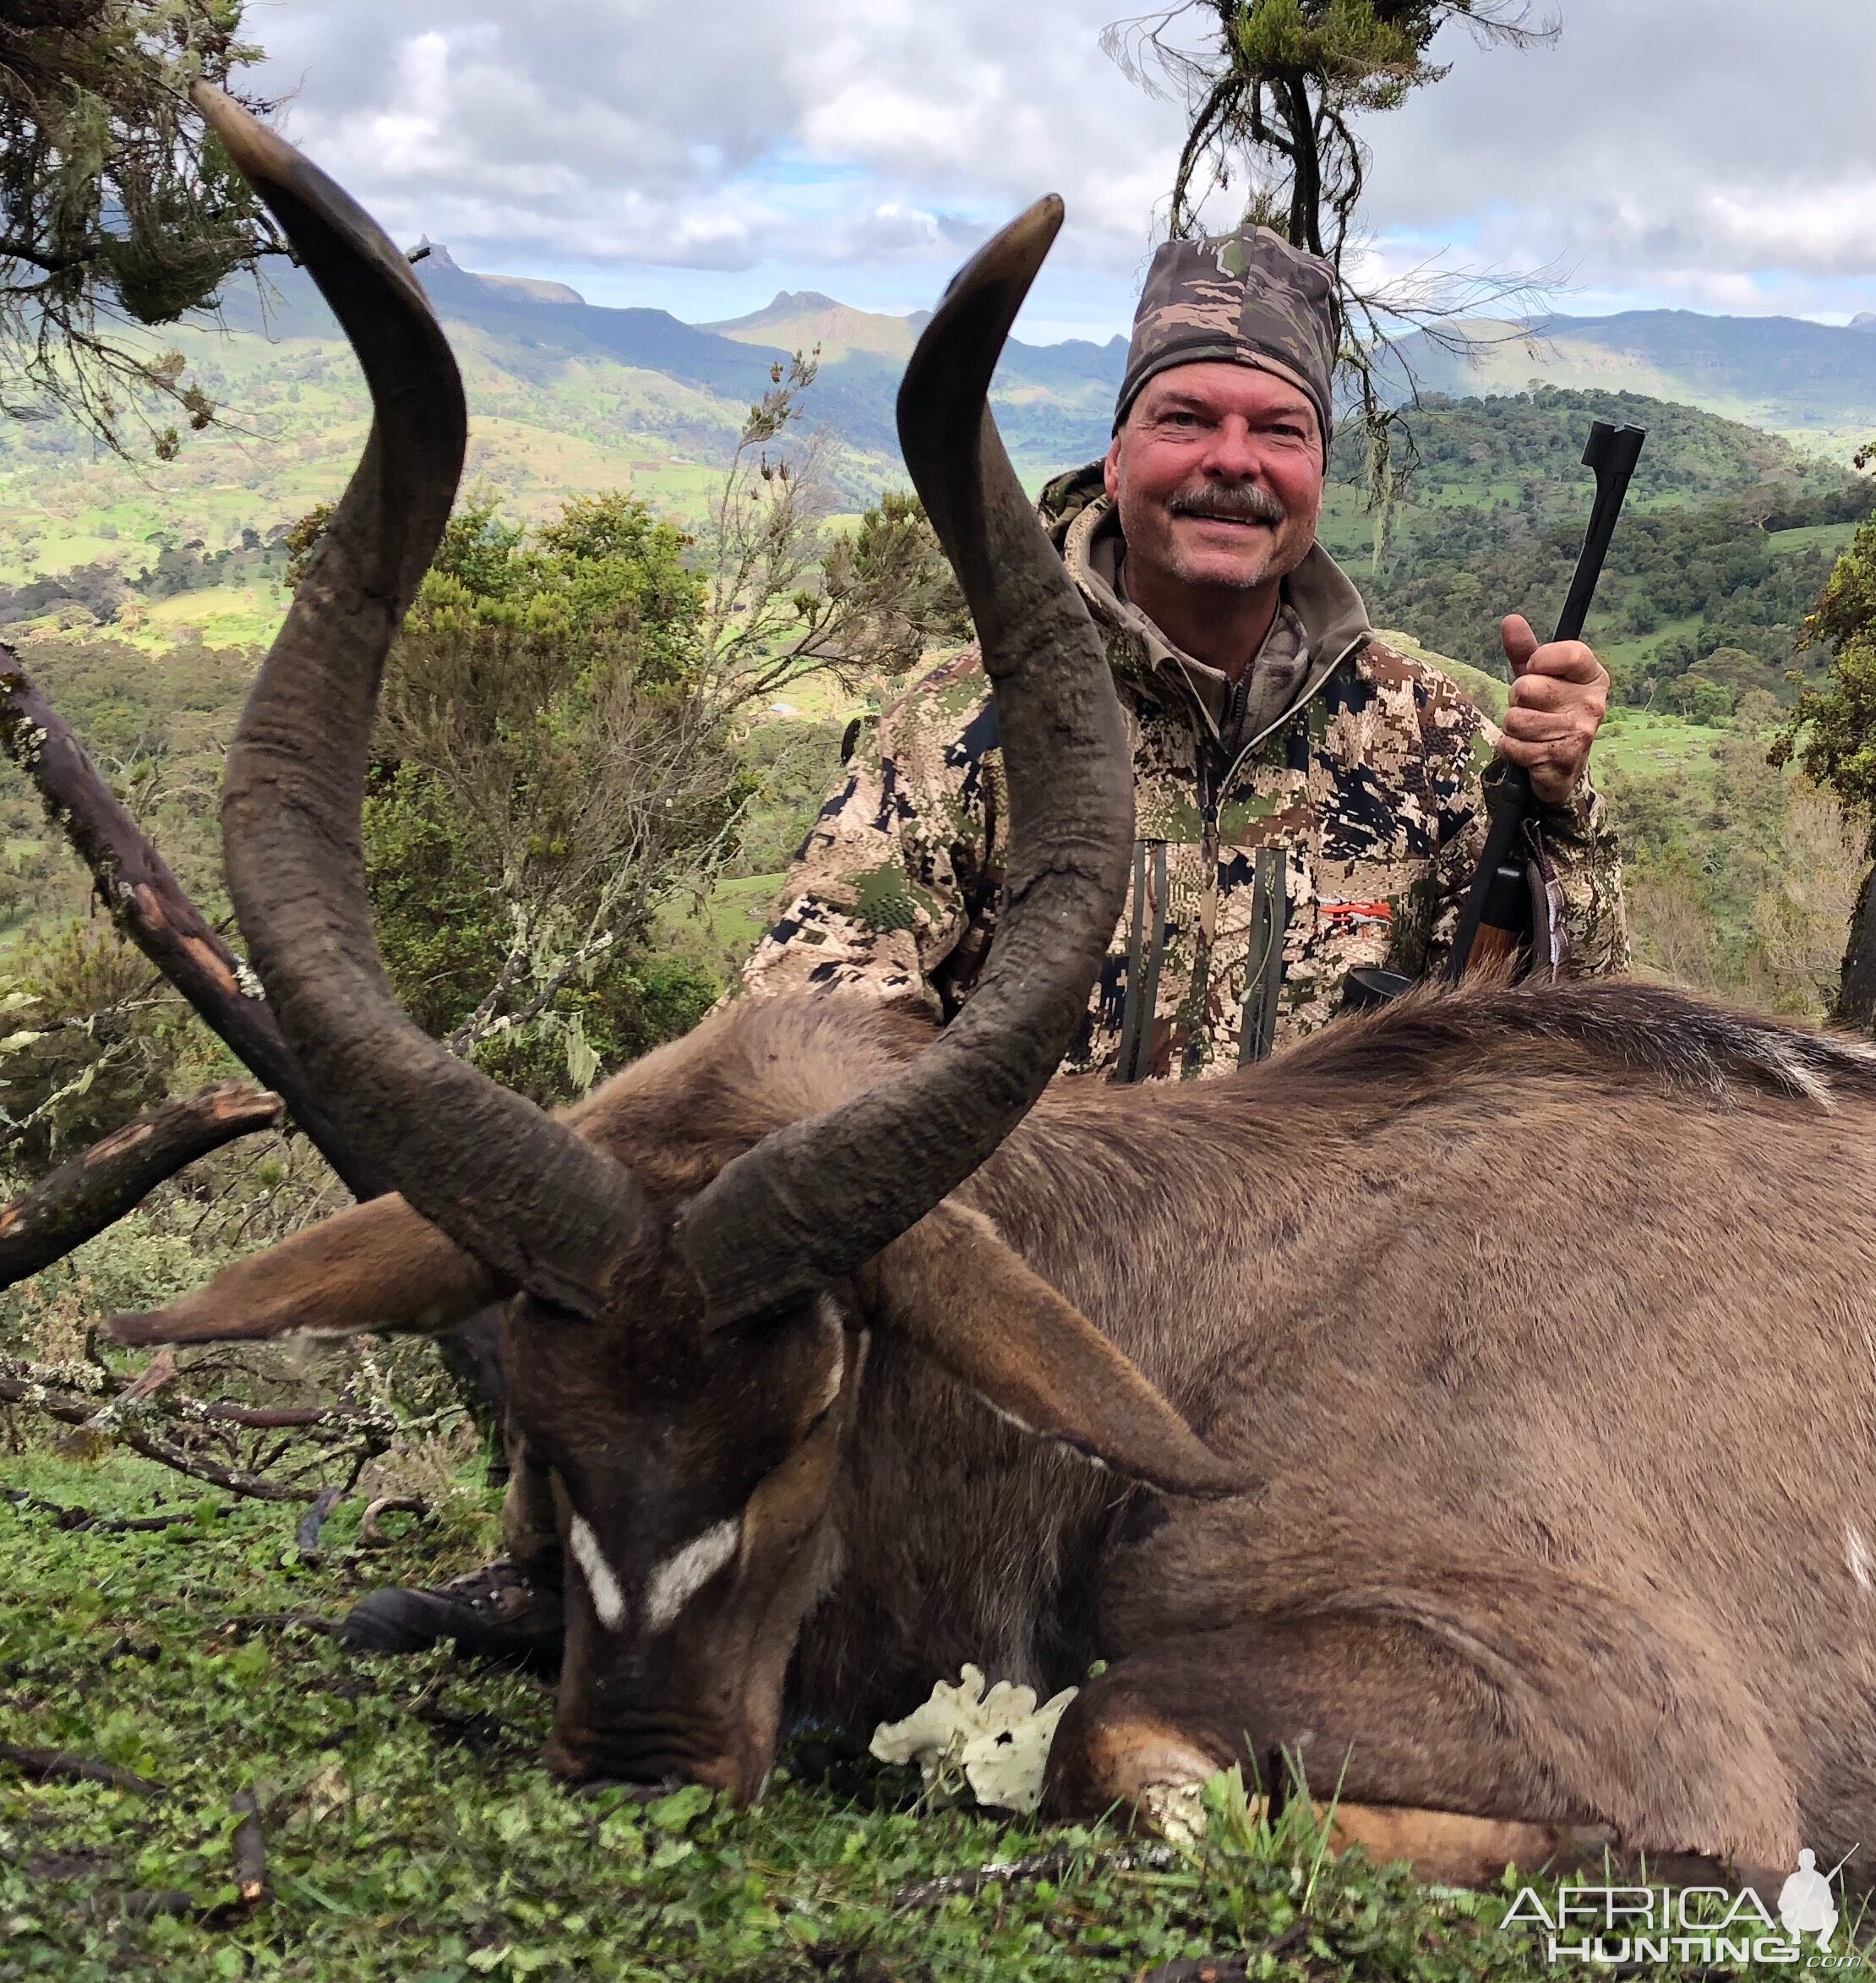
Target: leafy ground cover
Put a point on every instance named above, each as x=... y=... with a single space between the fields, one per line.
x=410 y=1833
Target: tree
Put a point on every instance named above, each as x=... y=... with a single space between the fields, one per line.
x=1832 y=732
x=118 y=210
x=1273 y=90
x=559 y=739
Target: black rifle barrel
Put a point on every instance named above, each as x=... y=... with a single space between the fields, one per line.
x=1497 y=896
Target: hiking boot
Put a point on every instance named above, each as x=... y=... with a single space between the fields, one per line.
x=499 y=1611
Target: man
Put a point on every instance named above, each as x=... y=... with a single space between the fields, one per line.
x=1309 y=796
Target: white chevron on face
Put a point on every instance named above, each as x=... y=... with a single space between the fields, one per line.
x=681 y=1575
x=608 y=1599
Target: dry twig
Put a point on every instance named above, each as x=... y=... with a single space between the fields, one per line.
x=77 y=1520
x=250 y=1849
x=362 y=1433
x=55 y=1766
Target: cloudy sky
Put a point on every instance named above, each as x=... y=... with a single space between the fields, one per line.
x=699 y=154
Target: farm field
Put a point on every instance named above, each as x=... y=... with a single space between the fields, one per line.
x=411 y=1835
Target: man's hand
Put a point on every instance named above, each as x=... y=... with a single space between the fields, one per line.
x=1558 y=696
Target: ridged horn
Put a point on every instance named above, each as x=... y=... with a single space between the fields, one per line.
x=533 y=1201
x=816 y=1199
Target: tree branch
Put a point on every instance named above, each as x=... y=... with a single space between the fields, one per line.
x=72 y=1411
x=148 y=904
x=101 y=1184
x=54 y=1765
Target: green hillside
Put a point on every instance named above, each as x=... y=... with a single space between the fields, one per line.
x=565 y=399
x=1814 y=383
x=802 y=320
x=1729 y=535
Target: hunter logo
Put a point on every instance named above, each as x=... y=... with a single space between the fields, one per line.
x=1805 y=1905
x=1707 y=1926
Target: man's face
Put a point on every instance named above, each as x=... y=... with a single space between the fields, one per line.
x=1217 y=475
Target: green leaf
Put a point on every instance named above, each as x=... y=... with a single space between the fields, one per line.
x=674 y=1812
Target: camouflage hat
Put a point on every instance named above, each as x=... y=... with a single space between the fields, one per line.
x=1249 y=299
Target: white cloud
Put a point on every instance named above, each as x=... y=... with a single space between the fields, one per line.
x=614 y=128
x=1658 y=144
x=1719 y=153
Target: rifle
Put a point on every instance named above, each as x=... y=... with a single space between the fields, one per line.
x=1498 y=902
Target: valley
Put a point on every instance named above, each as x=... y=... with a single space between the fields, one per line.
x=130 y=585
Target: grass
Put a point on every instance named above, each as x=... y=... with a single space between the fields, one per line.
x=1826 y=537
x=1646 y=743
x=219 y=616
x=1639 y=648
x=411 y=1834
x=731 y=919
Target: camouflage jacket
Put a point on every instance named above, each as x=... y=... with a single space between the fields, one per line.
x=1327 y=813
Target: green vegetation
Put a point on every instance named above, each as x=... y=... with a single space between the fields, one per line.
x=413 y=1836
x=540 y=777
x=1832 y=732
x=1727 y=540
x=115 y=207
x=1741 y=875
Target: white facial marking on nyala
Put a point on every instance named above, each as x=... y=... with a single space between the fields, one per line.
x=1857 y=1558
x=608 y=1599
x=681 y=1577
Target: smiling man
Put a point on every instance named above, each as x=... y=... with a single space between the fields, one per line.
x=1309 y=795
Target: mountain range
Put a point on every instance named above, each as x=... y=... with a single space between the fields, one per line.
x=1813 y=383
x=1788 y=374
x=568 y=397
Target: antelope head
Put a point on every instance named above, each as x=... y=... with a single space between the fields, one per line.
x=688 y=1345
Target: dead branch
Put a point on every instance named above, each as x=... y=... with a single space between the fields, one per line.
x=150 y=906
x=79 y=1519
x=272 y=1417
x=54 y=1765
x=71 y=1408
x=250 y=1848
x=371 y=1535
x=306 y=1537
x=101 y=1184
x=160 y=1371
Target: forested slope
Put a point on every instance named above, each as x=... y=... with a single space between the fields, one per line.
x=1729 y=535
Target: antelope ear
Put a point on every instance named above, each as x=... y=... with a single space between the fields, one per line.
x=376 y=1266
x=951 y=1286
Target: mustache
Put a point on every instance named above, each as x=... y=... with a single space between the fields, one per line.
x=1235 y=502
